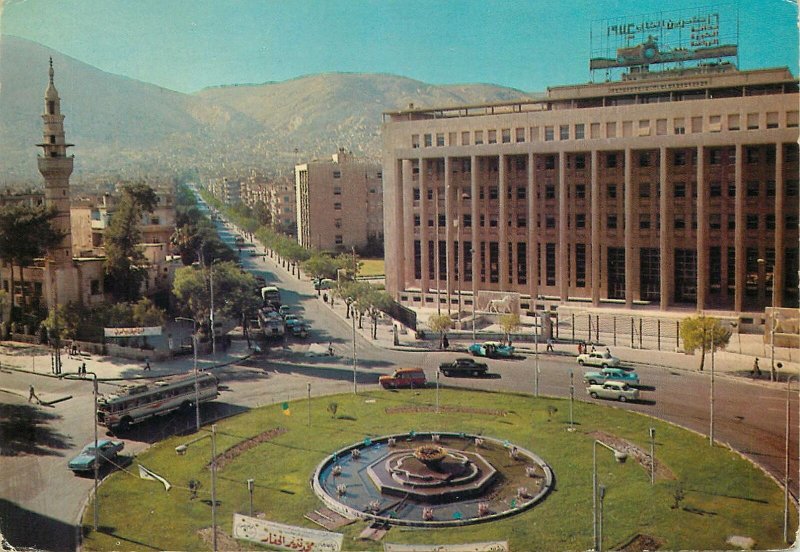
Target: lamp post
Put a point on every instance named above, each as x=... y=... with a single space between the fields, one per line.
x=536 y=360
x=571 y=399
x=711 y=391
x=194 y=362
x=620 y=457
x=786 y=465
x=652 y=432
x=474 y=288
x=772 y=373
x=355 y=360
x=601 y=494
x=181 y=450
x=96 y=450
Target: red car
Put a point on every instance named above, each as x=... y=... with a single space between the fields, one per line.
x=404 y=377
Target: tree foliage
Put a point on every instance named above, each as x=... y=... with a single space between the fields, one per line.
x=320 y=265
x=704 y=333
x=440 y=323
x=509 y=323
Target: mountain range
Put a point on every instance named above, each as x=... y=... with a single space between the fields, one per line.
x=122 y=127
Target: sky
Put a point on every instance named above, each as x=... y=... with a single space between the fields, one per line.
x=187 y=45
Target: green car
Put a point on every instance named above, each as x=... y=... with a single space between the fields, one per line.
x=107 y=450
x=491 y=349
x=615 y=374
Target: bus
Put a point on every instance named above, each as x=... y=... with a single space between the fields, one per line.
x=271 y=296
x=134 y=403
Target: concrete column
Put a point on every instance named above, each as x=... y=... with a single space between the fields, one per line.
x=476 y=271
x=738 y=240
x=563 y=215
x=502 y=224
x=448 y=230
x=777 y=271
x=594 y=257
x=407 y=225
x=424 y=231
x=630 y=228
x=702 y=231
x=533 y=231
x=666 y=257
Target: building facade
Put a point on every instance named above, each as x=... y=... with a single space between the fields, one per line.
x=339 y=203
x=672 y=190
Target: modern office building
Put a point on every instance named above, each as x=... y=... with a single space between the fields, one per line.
x=339 y=203
x=670 y=190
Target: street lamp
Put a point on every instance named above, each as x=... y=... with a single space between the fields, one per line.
x=620 y=457
x=474 y=288
x=355 y=361
x=194 y=361
x=96 y=449
x=786 y=465
x=536 y=360
x=571 y=399
x=652 y=432
x=180 y=450
x=772 y=373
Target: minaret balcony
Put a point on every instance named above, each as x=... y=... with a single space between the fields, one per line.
x=55 y=166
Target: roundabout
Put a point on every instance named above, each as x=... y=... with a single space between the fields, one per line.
x=432 y=479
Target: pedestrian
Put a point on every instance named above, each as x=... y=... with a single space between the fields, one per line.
x=83 y=368
x=580 y=347
x=593 y=349
x=32 y=395
x=445 y=342
x=330 y=348
x=549 y=344
x=756 y=371
x=608 y=351
x=147 y=365
x=325 y=297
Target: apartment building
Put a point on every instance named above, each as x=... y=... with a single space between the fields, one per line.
x=671 y=190
x=339 y=202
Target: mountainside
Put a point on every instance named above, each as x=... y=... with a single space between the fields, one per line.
x=127 y=127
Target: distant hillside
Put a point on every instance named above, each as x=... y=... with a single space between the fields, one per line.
x=124 y=126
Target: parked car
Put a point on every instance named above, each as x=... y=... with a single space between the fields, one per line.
x=463 y=367
x=107 y=450
x=598 y=358
x=491 y=349
x=299 y=330
x=290 y=320
x=283 y=310
x=404 y=377
x=607 y=374
x=323 y=283
x=615 y=390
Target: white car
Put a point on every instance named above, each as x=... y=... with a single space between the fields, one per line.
x=615 y=390
x=603 y=359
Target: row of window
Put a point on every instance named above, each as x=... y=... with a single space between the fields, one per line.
x=613 y=129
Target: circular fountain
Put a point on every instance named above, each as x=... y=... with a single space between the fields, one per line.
x=432 y=479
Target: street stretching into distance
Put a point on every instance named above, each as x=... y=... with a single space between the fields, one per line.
x=749 y=416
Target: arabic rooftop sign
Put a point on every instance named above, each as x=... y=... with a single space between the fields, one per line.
x=285 y=537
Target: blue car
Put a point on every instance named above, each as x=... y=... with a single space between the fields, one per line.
x=491 y=349
x=611 y=374
x=107 y=450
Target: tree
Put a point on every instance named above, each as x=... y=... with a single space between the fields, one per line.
x=375 y=301
x=509 y=324
x=440 y=323
x=320 y=265
x=32 y=223
x=124 y=274
x=145 y=313
x=704 y=333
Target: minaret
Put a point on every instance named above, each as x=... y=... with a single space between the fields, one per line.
x=56 y=168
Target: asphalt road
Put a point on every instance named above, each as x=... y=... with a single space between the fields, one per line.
x=41 y=499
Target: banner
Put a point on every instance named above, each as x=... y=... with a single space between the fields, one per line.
x=495 y=546
x=144 y=473
x=132 y=332
x=285 y=537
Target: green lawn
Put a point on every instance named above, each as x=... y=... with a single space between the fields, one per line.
x=724 y=494
x=372 y=267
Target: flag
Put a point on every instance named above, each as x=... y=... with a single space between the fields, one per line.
x=144 y=473
x=285 y=407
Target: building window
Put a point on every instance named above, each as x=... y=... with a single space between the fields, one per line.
x=550 y=222
x=520 y=135
x=611 y=130
x=550 y=264
x=550 y=162
x=733 y=121
x=506 y=135
x=493 y=192
x=465 y=138
x=563 y=132
x=752 y=121
x=522 y=222
x=548 y=134
x=715 y=189
x=417 y=220
x=752 y=188
x=580 y=131
x=679 y=126
x=492 y=137
x=482 y=220
x=428 y=140
x=769 y=222
x=679 y=223
x=440 y=139
x=715 y=156
x=731 y=221
x=467 y=221
x=752 y=222
x=521 y=192
x=679 y=158
x=611 y=191
x=430 y=194
x=770 y=188
x=790 y=222
x=338 y=222
x=611 y=222
x=442 y=221
x=751 y=155
x=337 y=190
x=549 y=191
x=580 y=191
x=337 y=206
x=791 y=187
x=644 y=159
x=95 y=287
x=715 y=221
x=338 y=240
x=580 y=220
x=644 y=221
x=415 y=193
x=611 y=160
x=679 y=189
x=478 y=137
x=580 y=161
x=644 y=189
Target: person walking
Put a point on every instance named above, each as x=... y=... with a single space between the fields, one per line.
x=580 y=347
x=549 y=344
x=756 y=371
x=32 y=395
x=147 y=365
x=445 y=342
x=83 y=368
x=330 y=348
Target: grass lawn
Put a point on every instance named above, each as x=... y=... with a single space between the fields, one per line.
x=372 y=267
x=724 y=494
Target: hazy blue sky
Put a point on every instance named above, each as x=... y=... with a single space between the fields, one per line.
x=186 y=45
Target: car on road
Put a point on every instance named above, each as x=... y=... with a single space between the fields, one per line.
x=283 y=310
x=491 y=349
x=290 y=320
x=299 y=330
x=106 y=450
x=598 y=358
x=323 y=283
x=404 y=377
x=614 y=390
x=463 y=367
x=613 y=374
